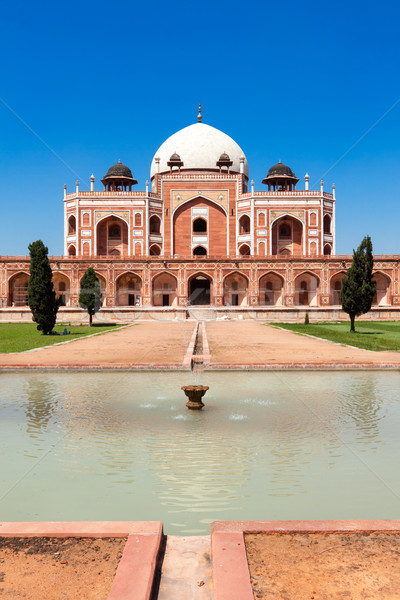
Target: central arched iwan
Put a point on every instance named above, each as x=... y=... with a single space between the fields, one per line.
x=217 y=231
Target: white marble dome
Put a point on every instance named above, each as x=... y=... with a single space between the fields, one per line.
x=199 y=147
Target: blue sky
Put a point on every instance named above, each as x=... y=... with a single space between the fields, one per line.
x=99 y=81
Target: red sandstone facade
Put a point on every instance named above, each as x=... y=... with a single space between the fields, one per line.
x=201 y=237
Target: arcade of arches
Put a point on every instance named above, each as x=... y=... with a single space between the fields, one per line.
x=174 y=287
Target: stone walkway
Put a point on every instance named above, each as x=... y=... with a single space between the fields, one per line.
x=155 y=343
x=248 y=343
x=186 y=569
x=169 y=345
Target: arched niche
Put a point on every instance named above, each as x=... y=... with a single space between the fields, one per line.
x=271 y=290
x=154 y=250
x=199 y=225
x=335 y=286
x=128 y=290
x=199 y=251
x=18 y=290
x=327 y=224
x=287 y=236
x=71 y=250
x=236 y=290
x=61 y=284
x=261 y=219
x=103 y=287
x=71 y=225
x=244 y=250
x=306 y=289
x=382 y=294
x=112 y=235
x=244 y=225
x=164 y=288
x=327 y=250
x=200 y=289
x=155 y=225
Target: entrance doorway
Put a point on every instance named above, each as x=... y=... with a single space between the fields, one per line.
x=199 y=290
x=165 y=299
x=235 y=299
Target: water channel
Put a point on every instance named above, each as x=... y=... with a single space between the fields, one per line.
x=275 y=445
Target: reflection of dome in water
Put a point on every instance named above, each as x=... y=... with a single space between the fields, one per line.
x=199 y=146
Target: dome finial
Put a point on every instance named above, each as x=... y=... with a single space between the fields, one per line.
x=199 y=116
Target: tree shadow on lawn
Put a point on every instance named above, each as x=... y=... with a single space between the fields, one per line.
x=370 y=332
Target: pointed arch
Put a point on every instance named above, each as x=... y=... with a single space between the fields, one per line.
x=18 y=289
x=244 y=250
x=287 y=234
x=71 y=225
x=155 y=250
x=382 y=295
x=199 y=251
x=270 y=289
x=200 y=287
x=164 y=289
x=306 y=289
x=155 y=225
x=244 y=224
x=112 y=233
x=335 y=287
x=236 y=286
x=128 y=289
x=62 y=287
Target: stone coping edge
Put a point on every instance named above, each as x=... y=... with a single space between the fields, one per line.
x=311 y=366
x=96 y=367
x=136 y=570
x=187 y=361
x=230 y=571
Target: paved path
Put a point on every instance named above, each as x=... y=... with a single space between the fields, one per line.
x=150 y=342
x=245 y=343
x=234 y=344
x=186 y=569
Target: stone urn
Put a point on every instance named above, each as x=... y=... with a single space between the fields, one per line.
x=195 y=394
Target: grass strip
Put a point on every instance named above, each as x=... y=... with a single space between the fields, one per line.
x=19 y=337
x=369 y=335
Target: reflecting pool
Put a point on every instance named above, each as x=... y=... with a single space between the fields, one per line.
x=275 y=445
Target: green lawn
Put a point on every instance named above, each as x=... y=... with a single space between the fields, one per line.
x=372 y=335
x=17 y=337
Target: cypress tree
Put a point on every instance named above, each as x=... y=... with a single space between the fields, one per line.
x=90 y=294
x=358 y=289
x=41 y=295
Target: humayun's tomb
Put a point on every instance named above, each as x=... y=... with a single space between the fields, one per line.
x=201 y=237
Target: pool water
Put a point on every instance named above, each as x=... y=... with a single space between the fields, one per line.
x=274 y=445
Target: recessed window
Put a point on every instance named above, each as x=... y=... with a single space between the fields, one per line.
x=284 y=231
x=199 y=226
x=115 y=232
x=244 y=224
x=155 y=225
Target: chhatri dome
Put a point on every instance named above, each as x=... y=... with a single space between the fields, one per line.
x=199 y=147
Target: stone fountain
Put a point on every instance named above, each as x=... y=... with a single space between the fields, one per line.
x=195 y=394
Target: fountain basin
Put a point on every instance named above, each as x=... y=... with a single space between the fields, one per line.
x=195 y=394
